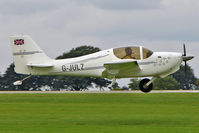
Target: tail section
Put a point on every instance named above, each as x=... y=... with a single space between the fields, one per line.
x=26 y=52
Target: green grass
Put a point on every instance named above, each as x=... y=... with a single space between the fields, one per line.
x=99 y=113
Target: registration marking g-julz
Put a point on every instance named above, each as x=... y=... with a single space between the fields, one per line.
x=72 y=67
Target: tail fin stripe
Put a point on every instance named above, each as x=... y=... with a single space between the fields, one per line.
x=27 y=53
x=40 y=65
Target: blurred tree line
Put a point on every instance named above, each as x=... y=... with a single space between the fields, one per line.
x=178 y=80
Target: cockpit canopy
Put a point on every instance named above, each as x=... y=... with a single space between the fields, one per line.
x=137 y=53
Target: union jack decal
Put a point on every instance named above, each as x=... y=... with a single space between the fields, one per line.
x=19 y=41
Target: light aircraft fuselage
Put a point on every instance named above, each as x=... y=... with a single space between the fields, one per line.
x=114 y=63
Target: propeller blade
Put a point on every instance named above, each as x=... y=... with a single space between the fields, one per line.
x=185 y=66
x=186 y=58
x=185 y=61
x=184 y=49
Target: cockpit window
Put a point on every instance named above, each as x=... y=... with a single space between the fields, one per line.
x=132 y=53
x=146 y=53
x=127 y=53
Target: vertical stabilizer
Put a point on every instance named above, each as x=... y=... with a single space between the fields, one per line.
x=25 y=51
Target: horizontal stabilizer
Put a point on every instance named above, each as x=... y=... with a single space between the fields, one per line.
x=40 y=65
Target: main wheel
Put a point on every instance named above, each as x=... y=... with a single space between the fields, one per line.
x=144 y=88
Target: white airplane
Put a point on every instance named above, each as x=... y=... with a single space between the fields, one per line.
x=114 y=63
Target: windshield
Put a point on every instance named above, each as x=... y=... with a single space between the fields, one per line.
x=146 y=53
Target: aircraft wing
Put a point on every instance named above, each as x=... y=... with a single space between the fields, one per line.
x=120 y=68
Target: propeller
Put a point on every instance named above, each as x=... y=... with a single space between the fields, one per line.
x=186 y=58
x=184 y=55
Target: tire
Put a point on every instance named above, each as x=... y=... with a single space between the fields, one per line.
x=142 y=88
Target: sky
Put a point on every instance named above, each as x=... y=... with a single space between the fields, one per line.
x=60 y=25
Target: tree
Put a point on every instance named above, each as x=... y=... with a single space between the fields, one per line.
x=197 y=83
x=1 y=79
x=32 y=83
x=125 y=88
x=134 y=84
x=186 y=79
x=79 y=51
x=178 y=80
x=8 y=78
x=167 y=83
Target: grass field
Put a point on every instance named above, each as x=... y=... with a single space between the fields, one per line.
x=99 y=113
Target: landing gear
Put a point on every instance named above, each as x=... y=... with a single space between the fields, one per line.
x=146 y=85
x=112 y=83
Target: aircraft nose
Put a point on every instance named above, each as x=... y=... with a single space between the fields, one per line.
x=177 y=55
